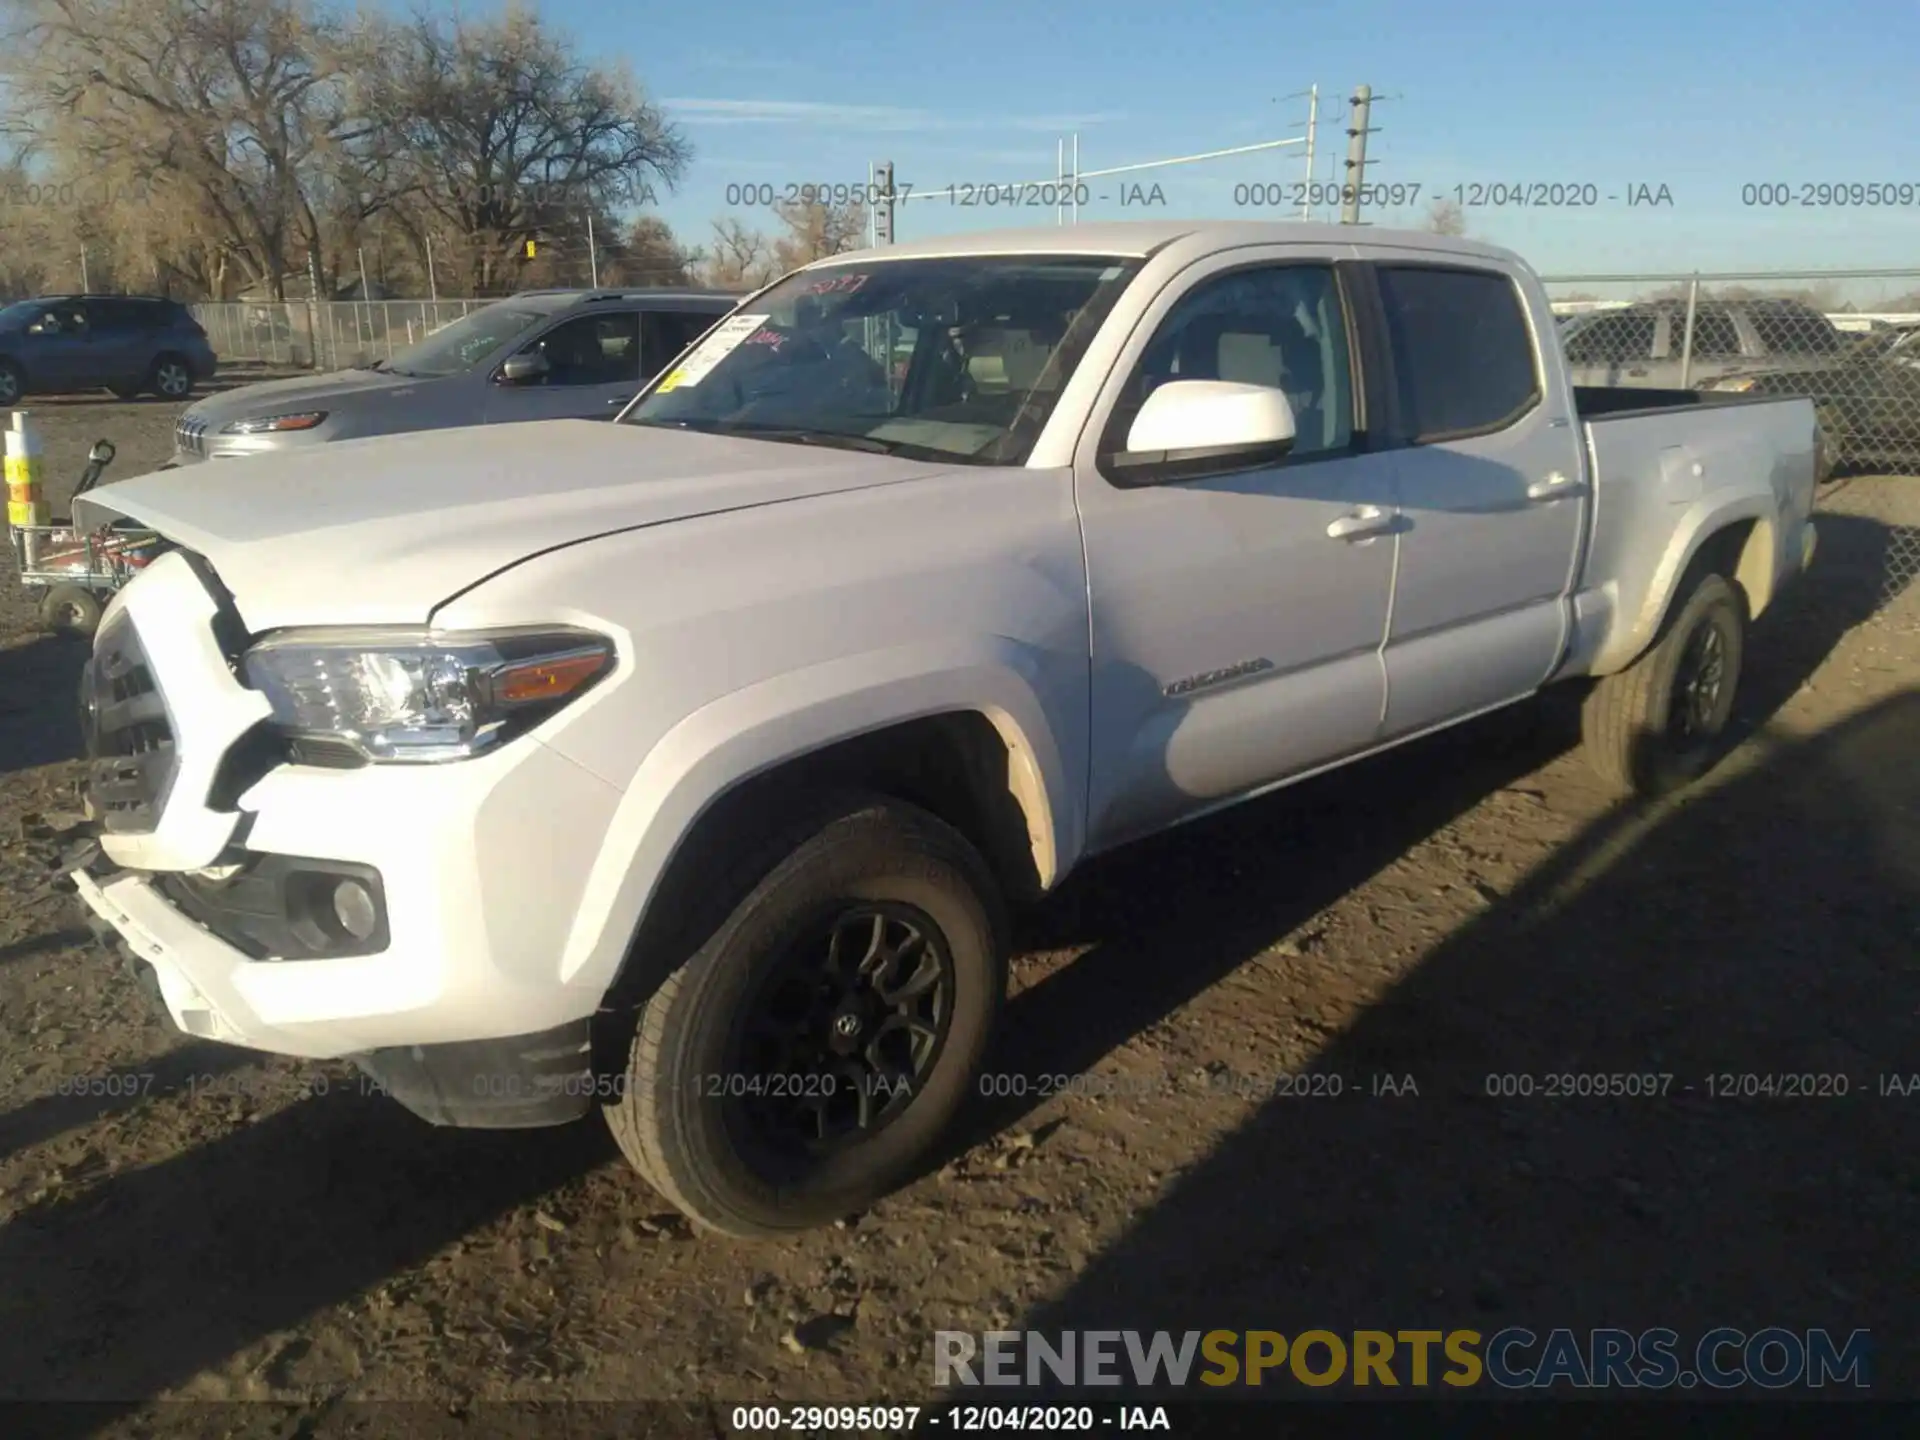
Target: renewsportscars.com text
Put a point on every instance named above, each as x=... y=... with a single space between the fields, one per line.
x=1514 y=1358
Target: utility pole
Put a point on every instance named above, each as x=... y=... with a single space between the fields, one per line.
x=433 y=288
x=1362 y=105
x=883 y=208
x=593 y=255
x=83 y=269
x=313 y=307
x=1313 y=129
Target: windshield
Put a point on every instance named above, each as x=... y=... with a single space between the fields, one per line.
x=465 y=343
x=956 y=358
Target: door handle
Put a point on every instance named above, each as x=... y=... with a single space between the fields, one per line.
x=1555 y=487
x=1359 y=524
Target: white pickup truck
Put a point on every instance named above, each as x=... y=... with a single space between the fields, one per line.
x=685 y=767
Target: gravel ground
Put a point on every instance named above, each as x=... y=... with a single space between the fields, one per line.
x=184 y=1221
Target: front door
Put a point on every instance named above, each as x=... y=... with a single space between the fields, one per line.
x=1237 y=617
x=593 y=368
x=58 y=349
x=1492 y=492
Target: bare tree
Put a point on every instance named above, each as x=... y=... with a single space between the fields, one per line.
x=816 y=230
x=740 y=259
x=230 y=105
x=1445 y=217
x=498 y=132
x=649 y=254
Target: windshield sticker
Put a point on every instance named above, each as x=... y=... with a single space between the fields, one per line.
x=838 y=285
x=726 y=338
x=771 y=338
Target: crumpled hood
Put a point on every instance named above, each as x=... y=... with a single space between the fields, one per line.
x=382 y=531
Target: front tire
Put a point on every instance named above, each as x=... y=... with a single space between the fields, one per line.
x=1661 y=723
x=807 y=1056
x=171 y=378
x=13 y=383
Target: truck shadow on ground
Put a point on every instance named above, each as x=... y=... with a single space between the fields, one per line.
x=40 y=702
x=1763 y=927
x=1755 y=930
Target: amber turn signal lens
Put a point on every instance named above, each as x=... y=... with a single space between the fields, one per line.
x=546 y=679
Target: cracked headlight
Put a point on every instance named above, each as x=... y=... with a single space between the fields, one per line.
x=419 y=695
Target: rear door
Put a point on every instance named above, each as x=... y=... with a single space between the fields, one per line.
x=593 y=368
x=1490 y=486
x=1717 y=348
x=123 y=337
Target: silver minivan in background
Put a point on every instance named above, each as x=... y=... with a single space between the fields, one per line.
x=540 y=355
x=1645 y=343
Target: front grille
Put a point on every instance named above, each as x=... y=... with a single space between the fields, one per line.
x=129 y=735
x=190 y=435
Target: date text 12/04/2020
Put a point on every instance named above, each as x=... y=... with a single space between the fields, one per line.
x=1051 y=194
x=1390 y=195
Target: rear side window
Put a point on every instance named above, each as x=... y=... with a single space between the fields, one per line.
x=665 y=333
x=119 y=316
x=1794 y=332
x=1462 y=350
x=1612 y=340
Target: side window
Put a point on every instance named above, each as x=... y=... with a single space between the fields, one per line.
x=665 y=333
x=1794 y=332
x=1714 y=335
x=1462 y=350
x=64 y=317
x=120 y=317
x=592 y=350
x=1612 y=340
x=1282 y=326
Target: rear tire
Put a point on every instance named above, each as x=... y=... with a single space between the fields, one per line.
x=70 y=610
x=1661 y=723
x=768 y=1034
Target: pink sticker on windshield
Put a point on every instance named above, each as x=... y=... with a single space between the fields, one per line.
x=838 y=285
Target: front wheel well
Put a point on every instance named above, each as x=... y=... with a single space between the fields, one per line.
x=957 y=766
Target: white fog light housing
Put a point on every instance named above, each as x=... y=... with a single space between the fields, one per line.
x=274 y=424
x=418 y=695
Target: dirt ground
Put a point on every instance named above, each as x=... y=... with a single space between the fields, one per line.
x=185 y=1221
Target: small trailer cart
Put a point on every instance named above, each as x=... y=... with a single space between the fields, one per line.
x=78 y=571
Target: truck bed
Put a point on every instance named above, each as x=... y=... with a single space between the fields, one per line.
x=1602 y=402
x=1668 y=466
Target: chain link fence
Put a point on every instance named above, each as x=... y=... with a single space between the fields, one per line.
x=330 y=335
x=1850 y=341
x=1764 y=335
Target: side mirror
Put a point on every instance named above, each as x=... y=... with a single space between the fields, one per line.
x=525 y=369
x=1208 y=425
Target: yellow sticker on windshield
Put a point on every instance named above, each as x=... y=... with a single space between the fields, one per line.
x=726 y=337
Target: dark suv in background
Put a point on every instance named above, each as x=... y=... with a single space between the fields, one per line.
x=129 y=344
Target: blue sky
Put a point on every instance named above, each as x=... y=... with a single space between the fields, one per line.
x=1701 y=99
